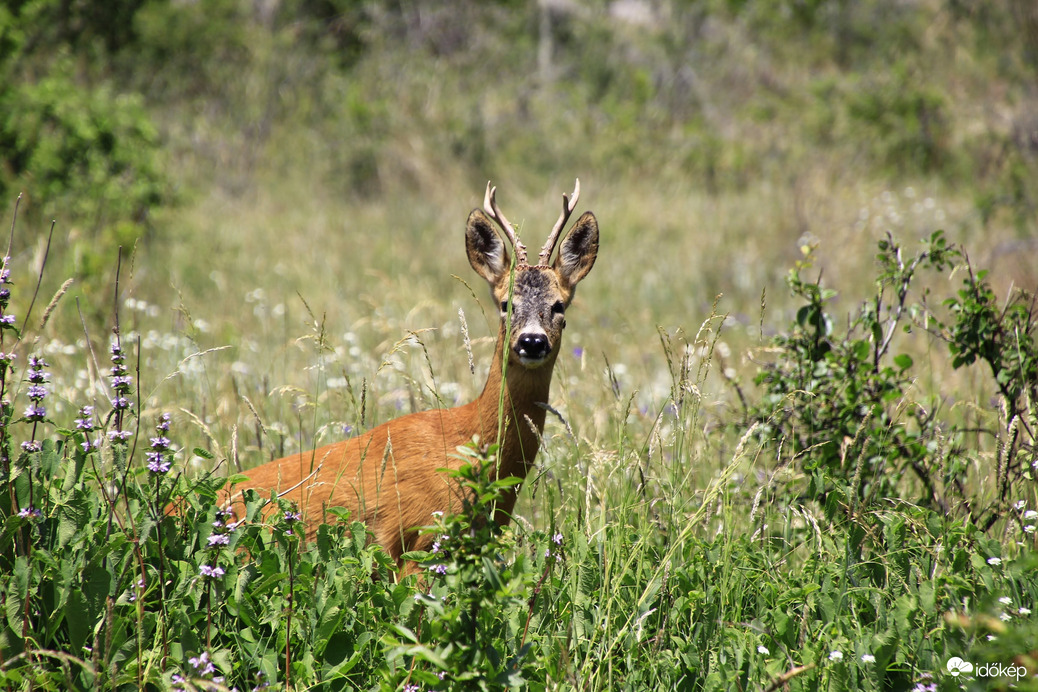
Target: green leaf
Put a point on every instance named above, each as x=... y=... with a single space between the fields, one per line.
x=861 y=349
x=80 y=624
x=491 y=573
x=415 y=555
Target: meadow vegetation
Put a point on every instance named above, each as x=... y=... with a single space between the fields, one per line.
x=792 y=439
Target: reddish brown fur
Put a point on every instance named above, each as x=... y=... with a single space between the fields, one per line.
x=388 y=476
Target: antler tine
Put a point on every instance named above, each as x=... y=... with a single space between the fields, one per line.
x=568 y=205
x=491 y=208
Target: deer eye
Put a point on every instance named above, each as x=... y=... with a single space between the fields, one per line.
x=558 y=308
x=504 y=306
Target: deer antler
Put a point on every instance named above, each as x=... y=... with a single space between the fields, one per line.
x=491 y=208
x=568 y=205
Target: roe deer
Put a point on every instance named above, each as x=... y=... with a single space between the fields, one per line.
x=388 y=476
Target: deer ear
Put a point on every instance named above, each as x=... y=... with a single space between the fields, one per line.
x=485 y=249
x=579 y=250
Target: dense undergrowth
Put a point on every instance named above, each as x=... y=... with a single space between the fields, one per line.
x=850 y=540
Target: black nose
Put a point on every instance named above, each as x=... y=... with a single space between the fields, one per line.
x=534 y=346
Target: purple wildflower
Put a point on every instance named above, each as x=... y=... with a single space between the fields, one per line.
x=221 y=535
x=160 y=458
x=202 y=664
x=135 y=590
x=85 y=421
x=439 y=569
x=35 y=412
x=5 y=296
x=290 y=519
x=207 y=571
x=156 y=464
x=121 y=380
x=37 y=392
x=85 y=424
x=33 y=446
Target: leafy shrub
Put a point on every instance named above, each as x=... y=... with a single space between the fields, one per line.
x=69 y=141
x=836 y=399
x=1005 y=338
x=838 y=402
x=187 y=49
x=906 y=122
x=90 y=152
x=472 y=633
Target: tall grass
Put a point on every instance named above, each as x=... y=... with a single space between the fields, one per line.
x=663 y=541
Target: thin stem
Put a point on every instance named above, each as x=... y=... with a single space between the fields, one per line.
x=208 y=614
x=39 y=277
x=14 y=221
x=533 y=600
x=288 y=619
x=162 y=569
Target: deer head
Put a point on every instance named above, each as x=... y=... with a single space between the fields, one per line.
x=535 y=298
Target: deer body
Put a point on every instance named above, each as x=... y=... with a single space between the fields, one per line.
x=388 y=477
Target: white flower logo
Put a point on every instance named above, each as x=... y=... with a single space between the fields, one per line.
x=956 y=666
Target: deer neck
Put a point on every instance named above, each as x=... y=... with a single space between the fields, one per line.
x=512 y=402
